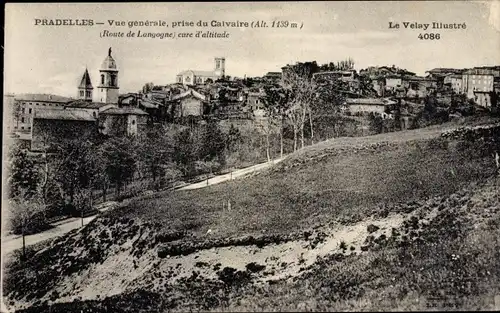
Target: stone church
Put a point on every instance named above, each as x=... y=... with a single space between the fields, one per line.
x=193 y=77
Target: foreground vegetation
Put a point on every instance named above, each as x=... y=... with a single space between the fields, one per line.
x=444 y=186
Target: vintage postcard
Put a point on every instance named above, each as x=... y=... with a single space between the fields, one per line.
x=251 y=156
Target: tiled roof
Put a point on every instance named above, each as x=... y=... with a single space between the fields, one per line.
x=198 y=73
x=86 y=83
x=85 y=104
x=368 y=101
x=38 y=97
x=124 y=111
x=188 y=93
x=150 y=104
x=69 y=114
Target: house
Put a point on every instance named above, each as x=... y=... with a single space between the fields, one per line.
x=393 y=81
x=476 y=81
x=189 y=103
x=367 y=105
x=417 y=86
x=273 y=77
x=454 y=82
x=375 y=72
x=122 y=121
x=483 y=98
x=193 y=77
x=24 y=106
x=255 y=100
x=92 y=107
x=51 y=126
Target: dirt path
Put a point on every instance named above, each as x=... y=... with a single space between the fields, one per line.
x=14 y=242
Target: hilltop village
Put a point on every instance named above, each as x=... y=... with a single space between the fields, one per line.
x=209 y=122
x=381 y=91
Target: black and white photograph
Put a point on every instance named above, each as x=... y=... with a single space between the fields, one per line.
x=251 y=156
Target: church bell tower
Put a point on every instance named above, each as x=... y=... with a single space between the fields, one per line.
x=108 y=81
x=85 y=88
x=220 y=67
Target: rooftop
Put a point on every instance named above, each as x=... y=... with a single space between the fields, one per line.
x=150 y=104
x=188 y=93
x=124 y=111
x=198 y=73
x=85 y=104
x=69 y=114
x=365 y=101
x=41 y=97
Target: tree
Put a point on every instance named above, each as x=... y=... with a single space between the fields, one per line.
x=26 y=213
x=17 y=112
x=301 y=93
x=233 y=139
x=327 y=105
x=23 y=173
x=376 y=123
x=276 y=104
x=147 y=87
x=185 y=152
x=213 y=143
x=119 y=160
x=155 y=152
x=76 y=166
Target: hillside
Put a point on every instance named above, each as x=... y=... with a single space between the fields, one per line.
x=358 y=223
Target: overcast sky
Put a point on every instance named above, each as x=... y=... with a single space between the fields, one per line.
x=53 y=59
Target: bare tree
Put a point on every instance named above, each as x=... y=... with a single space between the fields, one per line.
x=302 y=91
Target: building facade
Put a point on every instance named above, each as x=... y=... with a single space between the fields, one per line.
x=52 y=126
x=24 y=106
x=122 y=121
x=363 y=106
x=472 y=82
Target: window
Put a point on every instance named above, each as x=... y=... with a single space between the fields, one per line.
x=23 y=110
x=188 y=79
x=29 y=127
x=37 y=104
x=113 y=78
x=81 y=93
x=22 y=127
x=22 y=119
x=93 y=113
x=87 y=94
x=30 y=110
x=43 y=104
x=102 y=79
x=50 y=104
x=133 y=122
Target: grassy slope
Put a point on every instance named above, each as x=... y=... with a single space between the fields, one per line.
x=345 y=184
x=336 y=183
x=448 y=264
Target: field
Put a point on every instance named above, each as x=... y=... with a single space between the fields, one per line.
x=344 y=180
x=399 y=221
